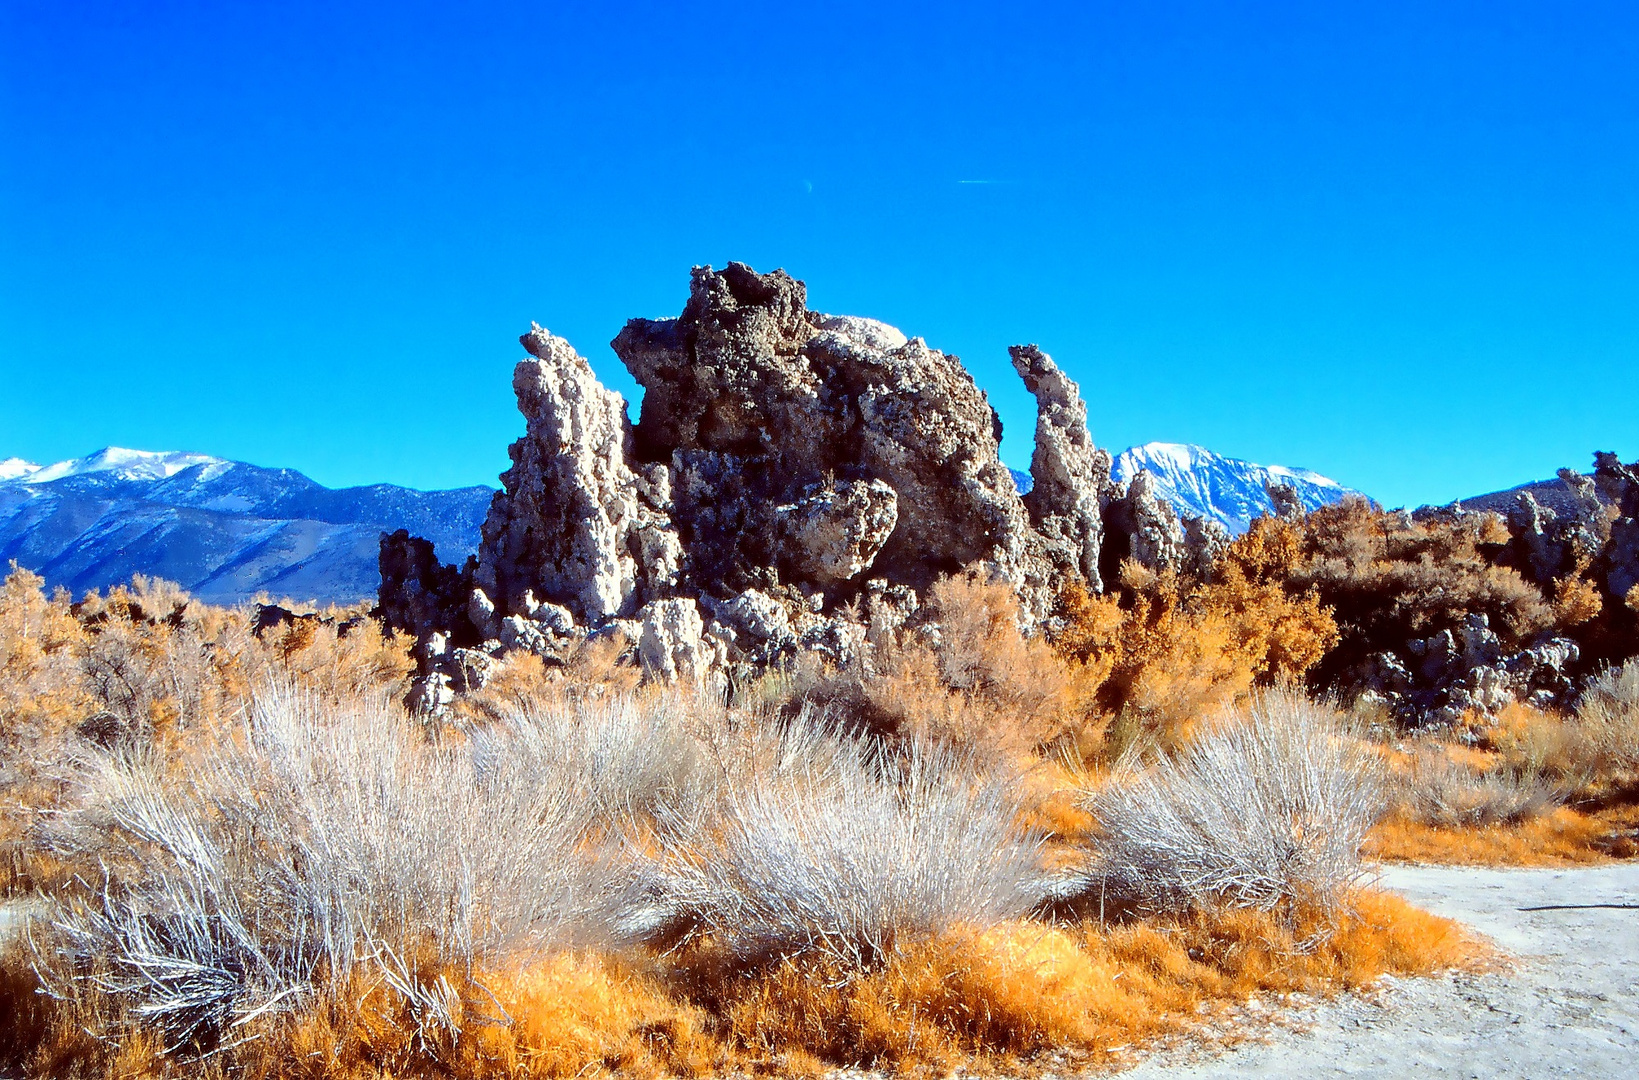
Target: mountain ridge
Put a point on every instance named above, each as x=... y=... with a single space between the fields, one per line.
x=227 y=530
x=1200 y=483
x=224 y=530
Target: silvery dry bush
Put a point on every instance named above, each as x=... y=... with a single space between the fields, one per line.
x=319 y=839
x=1607 y=716
x=1270 y=805
x=1439 y=791
x=625 y=755
x=837 y=848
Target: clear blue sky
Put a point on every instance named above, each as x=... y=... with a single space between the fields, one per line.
x=1394 y=242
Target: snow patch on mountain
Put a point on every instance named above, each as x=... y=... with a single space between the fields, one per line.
x=1199 y=483
x=16 y=468
x=122 y=464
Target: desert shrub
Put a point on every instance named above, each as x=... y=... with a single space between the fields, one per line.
x=39 y=642
x=627 y=755
x=316 y=840
x=847 y=851
x=1607 y=716
x=1270 y=806
x=1584 y=753
x=1438 y=791
x=594 y=668
x=980 y=682
x=1171 y=650
x=994 y=999
x=1390 y=579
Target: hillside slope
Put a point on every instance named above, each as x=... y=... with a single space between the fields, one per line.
x=1200 y=483
x=224 y=530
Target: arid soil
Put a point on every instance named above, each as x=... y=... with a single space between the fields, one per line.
x=1568 y=1005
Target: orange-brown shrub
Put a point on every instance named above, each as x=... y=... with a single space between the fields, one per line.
x=1020 y=996
x=1389 y=579
x=1170 y=650
x=997 y=998
x=981 y=682
x=519 y=681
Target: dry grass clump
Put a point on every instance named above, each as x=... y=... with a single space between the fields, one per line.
x=1542 y=789
x=849 y=851
x=1440 y=791
x=1607 y=718
x=147 y=669
x=594 y=668
x=315 y=842
x=979 y=683
x=1017 y=996
x=1020 y=995
x=627 y=755
x=569 y=1014
x=1269 y=807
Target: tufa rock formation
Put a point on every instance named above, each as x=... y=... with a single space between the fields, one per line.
x=793 y=482
x=1586 y=533
x=1070 y=489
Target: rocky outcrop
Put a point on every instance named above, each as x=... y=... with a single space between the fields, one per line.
x=1205 y=541
x=572 y=522
x=1143 y=527
x=794 y=438
x=1548 y=543
x=418 y=593
x=1287 y=503
x=833 y=533
x=793 y=482
x=1619 y=484
x=1070 y=477
x=1469 y=671
x=672 y=643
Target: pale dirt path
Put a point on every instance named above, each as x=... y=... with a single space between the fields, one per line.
x=1569 y=1006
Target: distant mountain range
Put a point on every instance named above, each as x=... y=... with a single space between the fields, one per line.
x=1200 y=483
x=227 y=531
x=224 y=530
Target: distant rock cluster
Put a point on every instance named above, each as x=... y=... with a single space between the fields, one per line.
x=794 y=480
x=1589 y=532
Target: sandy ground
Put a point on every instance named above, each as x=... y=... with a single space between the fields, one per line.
x=1568 y=1007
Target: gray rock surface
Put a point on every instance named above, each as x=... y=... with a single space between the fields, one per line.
x=1070 y=477
x=1620 y=484
x=798 y=477
x=566 y=526
x=834 y=531
x=671 y=643
x=757 y=403
x=1151 y=530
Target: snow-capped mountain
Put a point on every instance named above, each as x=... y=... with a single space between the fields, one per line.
x=12 y=468
x=222 y=529
x=1200 y=483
